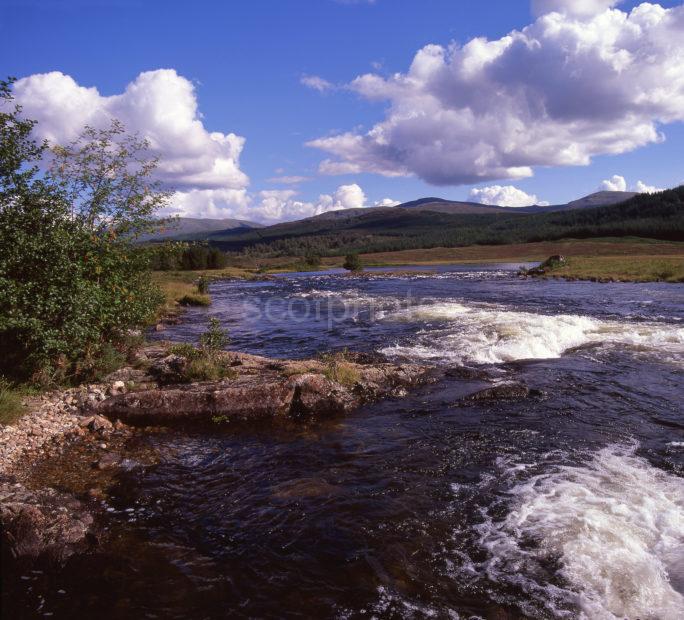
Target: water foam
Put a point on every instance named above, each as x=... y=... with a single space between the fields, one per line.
x=490 y=335
x=613 y=528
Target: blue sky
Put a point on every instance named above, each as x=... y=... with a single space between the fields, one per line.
x=247 y=59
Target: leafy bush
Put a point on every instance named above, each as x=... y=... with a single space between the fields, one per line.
x=202 y=285
x=206 y=362
x=352 y=262
x=215 y=338
x=72 y=284
x=207 y=368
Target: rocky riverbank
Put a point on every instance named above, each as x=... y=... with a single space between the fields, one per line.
x=95 y=424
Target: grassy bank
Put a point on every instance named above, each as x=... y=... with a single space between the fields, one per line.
x=646 y=249
x=623 y=268
x=180 y=287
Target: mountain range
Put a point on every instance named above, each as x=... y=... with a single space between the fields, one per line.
x=201 y=229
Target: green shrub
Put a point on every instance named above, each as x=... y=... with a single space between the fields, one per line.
x=352 y=262
x=215 y=338
x=202 y=285
x=72 y=283
x=185 y=350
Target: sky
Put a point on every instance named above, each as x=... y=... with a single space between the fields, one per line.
x=270 y=110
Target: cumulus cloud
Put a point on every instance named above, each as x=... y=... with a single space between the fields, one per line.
x=161 y=105
x=282 y=205
x=504 y=196
x=572 y=7
x=556 y=93
x=316 y=83
x=643 y=188
x=266 y=206
x=618 y=183
x=386 y=202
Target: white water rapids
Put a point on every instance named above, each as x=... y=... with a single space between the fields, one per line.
x=614 y=527
x=491 y=335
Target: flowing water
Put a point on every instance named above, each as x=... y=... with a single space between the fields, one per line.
x=566 y=505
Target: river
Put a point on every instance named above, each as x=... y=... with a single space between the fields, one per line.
x=569 y=504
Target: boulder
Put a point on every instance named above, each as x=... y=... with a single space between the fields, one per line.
x=504 y=391
x=169 y=369
x=315 y=394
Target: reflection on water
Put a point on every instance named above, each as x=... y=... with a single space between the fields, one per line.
x=568 y=505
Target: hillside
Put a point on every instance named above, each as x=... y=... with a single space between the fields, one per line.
x=598 y=199
x=657 y=216
x=192 y=228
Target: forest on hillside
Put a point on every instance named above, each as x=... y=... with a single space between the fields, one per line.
x=653 y=216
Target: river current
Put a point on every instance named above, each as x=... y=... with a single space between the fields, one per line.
x=569 y=504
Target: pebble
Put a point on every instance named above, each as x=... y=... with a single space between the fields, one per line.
x=53 y=418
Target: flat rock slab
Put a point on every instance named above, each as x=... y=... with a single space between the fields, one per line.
x=264 y=388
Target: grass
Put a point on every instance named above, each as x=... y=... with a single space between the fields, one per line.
x=179 y=284
x=11 y=406
x=645 y=268
x=181 y=287
x=195 y=299
x=338 y=369
x=203 y=364
x=511 y=253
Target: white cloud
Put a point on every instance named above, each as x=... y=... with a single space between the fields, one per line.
x=616 y=183
x=281 y=205
x=161 y=105
x=316 y=83
x=386 y=202
x=556 y=93
x=643 y=188
x=572 y=7
x=266 y=206
x=504 y=196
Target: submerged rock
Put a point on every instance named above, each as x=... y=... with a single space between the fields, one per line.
x=44 y=524
x=504 y=391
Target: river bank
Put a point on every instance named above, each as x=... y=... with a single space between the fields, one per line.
x=48 y=515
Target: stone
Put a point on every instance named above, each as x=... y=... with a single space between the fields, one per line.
x=118 y=387
x=264 y=388
x=43 y=524
x=504 y=391
x=107 y=461
x=170 y=369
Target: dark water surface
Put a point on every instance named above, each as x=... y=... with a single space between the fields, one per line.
x=564 y=506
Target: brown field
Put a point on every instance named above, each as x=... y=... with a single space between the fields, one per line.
x=624 y=259
x=524 y=252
